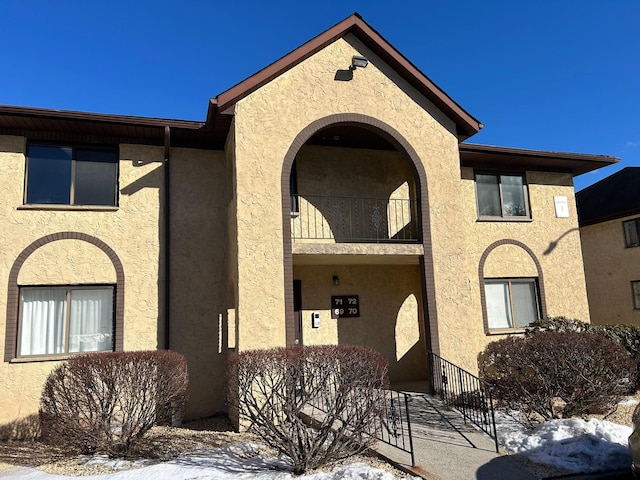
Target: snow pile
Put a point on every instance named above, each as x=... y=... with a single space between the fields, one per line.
x=241 y=461
x=572 y=444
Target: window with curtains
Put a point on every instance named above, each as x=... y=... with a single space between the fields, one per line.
x=59 y=320
x=511 y=303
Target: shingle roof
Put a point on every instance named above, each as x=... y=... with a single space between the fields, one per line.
x=615 y=196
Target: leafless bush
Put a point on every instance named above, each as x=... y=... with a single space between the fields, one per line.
x=276 y=392
x=550 y=375
x=105 y=402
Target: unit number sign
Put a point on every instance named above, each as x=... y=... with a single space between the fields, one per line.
x=345 y=306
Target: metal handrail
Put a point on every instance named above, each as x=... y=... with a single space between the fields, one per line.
x=465 y=392
x=352 y=219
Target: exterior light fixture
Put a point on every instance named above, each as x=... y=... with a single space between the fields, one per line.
x=359 y=61
x=336 y=280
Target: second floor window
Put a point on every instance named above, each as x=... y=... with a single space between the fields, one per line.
x=632 y=232
x=61 y=175
x=501 y=196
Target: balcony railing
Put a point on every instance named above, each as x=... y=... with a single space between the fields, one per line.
x=349 y=219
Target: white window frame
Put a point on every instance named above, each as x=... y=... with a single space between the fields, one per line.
x=68 y=289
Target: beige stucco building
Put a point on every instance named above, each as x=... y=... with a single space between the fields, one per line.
x=609 y=217
x=329 y=198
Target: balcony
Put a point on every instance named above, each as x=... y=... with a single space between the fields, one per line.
x=326 y=219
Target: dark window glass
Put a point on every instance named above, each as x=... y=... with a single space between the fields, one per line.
x=632 y=232
x=49 y=175
x=513 y=196
x=95 y=178
x=635 y=289
x=501 y=195
x=488 y=192
x=293 y=188
x=71 y=176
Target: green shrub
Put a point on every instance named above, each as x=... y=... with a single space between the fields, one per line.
x=551 y=375
x=276 y=393
x=105 y=402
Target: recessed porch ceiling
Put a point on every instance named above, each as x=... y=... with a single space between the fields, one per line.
x=350 y=136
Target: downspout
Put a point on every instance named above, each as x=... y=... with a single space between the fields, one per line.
x=167 y=238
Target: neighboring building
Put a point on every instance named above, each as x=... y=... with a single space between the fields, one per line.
x=315 y=189
x=609 y=216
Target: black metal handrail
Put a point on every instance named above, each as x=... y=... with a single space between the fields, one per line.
x=394 y=425
x=345 y=219
x=466 y=393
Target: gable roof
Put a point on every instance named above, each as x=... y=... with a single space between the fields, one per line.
x=615 y=196
x=466 y=124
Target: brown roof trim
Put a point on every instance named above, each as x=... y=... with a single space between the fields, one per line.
x=608 y=218
x=40 y=124
x=45 y=113
x=467 y=124
x=488 y=156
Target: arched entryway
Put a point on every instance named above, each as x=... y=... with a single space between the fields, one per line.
x=356 y=224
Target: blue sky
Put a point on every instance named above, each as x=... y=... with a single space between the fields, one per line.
x=561 y=75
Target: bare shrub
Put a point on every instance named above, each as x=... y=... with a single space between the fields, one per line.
x=626 y=335
x=558 y=324
x=105 y=402
x=279 y=392
x=551 y=375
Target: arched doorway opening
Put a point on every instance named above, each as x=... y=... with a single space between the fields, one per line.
x=356 y=234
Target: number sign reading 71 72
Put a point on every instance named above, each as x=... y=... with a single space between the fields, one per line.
x=345 y=306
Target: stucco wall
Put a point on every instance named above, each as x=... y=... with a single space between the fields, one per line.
x=132 y=231
x=200 y=192
x=555 y=242
x=390 y=312
x=609 y=269
x=267 y=122
x=349 y=193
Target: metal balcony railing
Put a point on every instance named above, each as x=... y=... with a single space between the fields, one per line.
x=350 y=219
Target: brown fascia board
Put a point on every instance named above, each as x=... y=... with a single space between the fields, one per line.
x=49 y=114
x=467 y=124
x=607 y=218
x=489 y=156
x=66 y=125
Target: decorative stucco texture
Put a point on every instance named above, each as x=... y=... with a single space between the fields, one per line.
x=390 y=312
x=555 y=242
x=227 y=287
x=200 y=191
x=610 y=268
x=132 y=231
x=266 y=124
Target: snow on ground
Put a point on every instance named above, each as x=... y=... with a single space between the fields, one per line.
x=239 y=461
x=572 y=444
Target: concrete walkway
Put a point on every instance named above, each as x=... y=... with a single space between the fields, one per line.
x=448 y=449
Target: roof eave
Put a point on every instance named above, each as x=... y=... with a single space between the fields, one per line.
x=466 y=124
x=574 y=163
